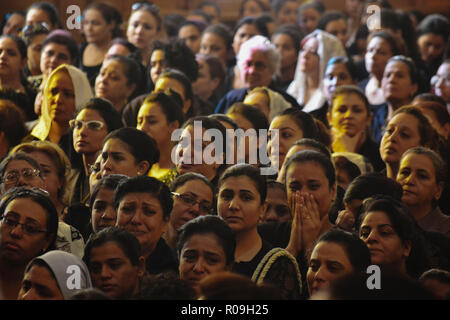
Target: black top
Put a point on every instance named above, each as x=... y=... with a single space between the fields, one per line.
x=248 y=268
x=90 y=71
x=162 y=259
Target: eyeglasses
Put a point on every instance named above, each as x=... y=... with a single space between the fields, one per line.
x=11 y=222
x=12 y=177
x=35 y=27
x=204 y=206
x=436 y=78
x=93 y=125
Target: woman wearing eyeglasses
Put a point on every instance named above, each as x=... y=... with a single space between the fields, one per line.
x=193 y=196
x=28 y=228
x=90 y=127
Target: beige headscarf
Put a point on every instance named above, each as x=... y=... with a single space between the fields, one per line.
x=329 y=46
x=83 y=92
x=277 y=103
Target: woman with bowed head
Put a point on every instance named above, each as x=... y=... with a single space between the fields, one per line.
x=115 y=262
x=90 y=127
x=100 y=24
x=241 y=201
x=28 y=227
x=193 y=196
x=317 y=49
x=408 y=128
x=144 y=26
x=393 y=238
x=33 y=36
x=12 y=122
x=143 y=207
x=349 y=116
x=399 y=85
x=128 y=151
x=159 y=116
x=206 y=246
x=336 y=254
x=65 y=92
x=286 y=128
x=422 y=174
x=13 y=58
x=48 y=276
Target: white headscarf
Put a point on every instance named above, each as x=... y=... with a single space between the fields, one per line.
x=329 y=47
x=82 y=90
x=70 y=271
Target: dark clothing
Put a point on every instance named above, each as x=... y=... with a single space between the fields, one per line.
x=248 y=268
x=379 y=121
x=370 y=150
x=79 y=217
x=90 y=71
x=321 y=114
x=162 y=259
x=436 y=221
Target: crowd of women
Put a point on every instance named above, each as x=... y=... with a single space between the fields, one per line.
x=353 y=118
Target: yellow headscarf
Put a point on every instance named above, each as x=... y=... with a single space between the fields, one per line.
x=83 y=92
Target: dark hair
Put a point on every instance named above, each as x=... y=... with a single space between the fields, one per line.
x=123 y=238
x=64 y=38
x=413 y=72
x=50 y=10
x=171 y=109
x=370 y=184
x=258 y=2
x=348 y=63
x=105 y=109
x=150 y=8
x=316 y=5
x=29 y=32
x=343 y=163
x=216 y=68
x=209 y=224
x=428 y=136
x=317 y=157
x=182 y=78
x=223 y=118
x=434 y=23
x=330 y=16
x=223 y=32
x=189 y=176
x=131 y=69
x=110 y=14
x=178 y=55
x=277 y=5
x=15 y=157
x=356 y=250
x=199 y=25
x=295 y=33
x=396 y=43
x=165 y=286
x=90 y=294
x=406 y=228
x=12 y=122
x=319 y=146
x=209 y=123
x=144 y=184
x=258 y=23
x=21 y=46
x=273 y=184
x=109 y=182
x=210 y=4
x=429 y=97
x=172 y=23
x=250 y=171
x=439 y=110
x=304 y=121
x=141 y=145
x=203 y=14
x=350 y=89
x=253 y=114
x=443 y=276
x=40 y=197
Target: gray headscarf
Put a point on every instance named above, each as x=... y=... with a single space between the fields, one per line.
x=70 y=272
